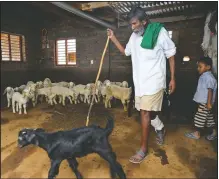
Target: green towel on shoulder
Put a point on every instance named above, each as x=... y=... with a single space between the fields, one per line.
x=150 y=35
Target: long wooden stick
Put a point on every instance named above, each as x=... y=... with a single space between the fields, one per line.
x=98 y=75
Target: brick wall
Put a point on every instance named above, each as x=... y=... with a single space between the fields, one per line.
x=20 y=18
x=187 y=36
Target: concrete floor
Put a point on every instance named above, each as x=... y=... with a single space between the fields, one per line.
x=187 y=158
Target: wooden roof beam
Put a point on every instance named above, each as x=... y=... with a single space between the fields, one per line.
x=93 y=5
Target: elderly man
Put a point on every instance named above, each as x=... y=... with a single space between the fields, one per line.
x=149 y=46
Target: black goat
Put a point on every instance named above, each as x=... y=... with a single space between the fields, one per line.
x=71 y=144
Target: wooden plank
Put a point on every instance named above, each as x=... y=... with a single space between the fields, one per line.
x=9 y=40
x=93 y=5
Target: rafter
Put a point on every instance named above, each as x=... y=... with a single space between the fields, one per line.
x=93 y=5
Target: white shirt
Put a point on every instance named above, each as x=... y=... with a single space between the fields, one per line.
x=149 y=66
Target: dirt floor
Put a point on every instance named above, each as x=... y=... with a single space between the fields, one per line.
x=178 y=158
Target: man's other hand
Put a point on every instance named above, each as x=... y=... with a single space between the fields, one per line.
x=172 y=86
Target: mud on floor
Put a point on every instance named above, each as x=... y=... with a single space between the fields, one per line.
x=179 y=157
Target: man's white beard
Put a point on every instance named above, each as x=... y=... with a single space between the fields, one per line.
x=140 y=31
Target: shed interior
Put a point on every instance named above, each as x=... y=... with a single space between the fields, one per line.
x=85 y=23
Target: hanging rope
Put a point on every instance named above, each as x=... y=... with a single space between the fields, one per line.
x=98 y=75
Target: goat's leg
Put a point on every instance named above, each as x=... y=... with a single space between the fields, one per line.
x=25 y=108
x=115 y=167
x=98 y=98
x=20 y=108
x=54 y=100
x=41 y=98
x=85 y=99
x=17 y=107
x=13 y=106
x=51 y=102
x=36 y=98
x=70 y=99
x=110 y=104
x=89 y=99
x=34 y=101
x=81 y=97
x=104 y=99
x=63 y=100
x=95 y=97
x=106 y=102
x=60 y=99
x=74 y=166
x=9 y=101
x=54 y=170
x=124 y=105
x=75 y=100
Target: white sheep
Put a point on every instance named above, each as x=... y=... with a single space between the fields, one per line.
x=54 y=84
x=31 y=88
x=71 y=84
x=63 y=92
x=39 y=84
x=121 y=93
x=98 y=90
x=64 y=84
x=83 y=91
x=97 y=93
x=125 y=84
x=116 y=83
x=20 y=88
x=29 y=83
x=43 y=92
x=106 y=82
x=9 y=90
x=47 y=83
x=103 y=92
x=21 y=100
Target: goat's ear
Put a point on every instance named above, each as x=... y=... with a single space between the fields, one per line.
x=39 y=130
x=31 y=137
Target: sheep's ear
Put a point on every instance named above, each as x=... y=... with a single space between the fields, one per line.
x=5 y=91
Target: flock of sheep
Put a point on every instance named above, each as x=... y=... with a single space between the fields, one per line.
x=106 y=91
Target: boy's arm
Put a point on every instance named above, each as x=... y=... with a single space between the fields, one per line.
x=210 y=94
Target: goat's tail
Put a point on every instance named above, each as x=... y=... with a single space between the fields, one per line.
x=109 y=125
